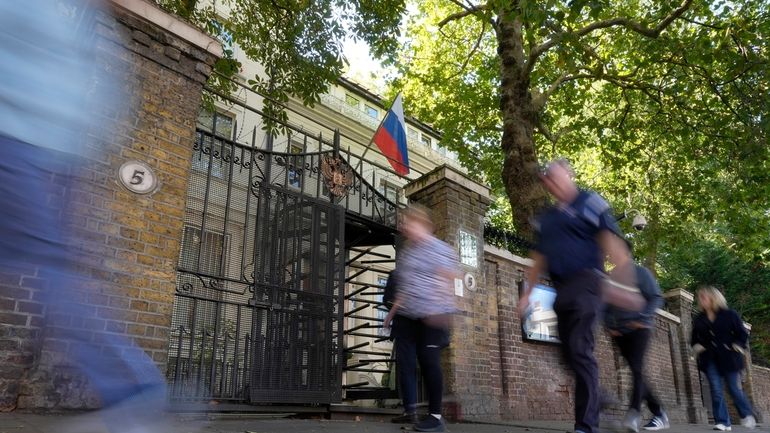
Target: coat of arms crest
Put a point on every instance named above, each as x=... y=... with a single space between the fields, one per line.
x=338 y=175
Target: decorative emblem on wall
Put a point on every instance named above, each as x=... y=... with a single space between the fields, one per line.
x=138 y=177
x=338 y=175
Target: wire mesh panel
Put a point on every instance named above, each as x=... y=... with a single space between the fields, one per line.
x=257 y=313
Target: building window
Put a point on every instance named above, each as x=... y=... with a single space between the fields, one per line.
x=225 y=37
x=469 y=249
x=207 y=120
x=211 y=248
x=425 y=140
x=295 y=166
x=412 y=134
x=372 y=112
x=390 y=191
x=382 y=280
x=352 y=101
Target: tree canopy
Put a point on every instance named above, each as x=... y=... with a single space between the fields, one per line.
x=297 y=42
x=663 y=107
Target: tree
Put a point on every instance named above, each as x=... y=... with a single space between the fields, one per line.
x=297 y=42
x=744 y=283
x=664 y=107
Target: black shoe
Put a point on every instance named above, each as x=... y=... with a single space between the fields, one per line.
x=406 y=418
x=430 y=423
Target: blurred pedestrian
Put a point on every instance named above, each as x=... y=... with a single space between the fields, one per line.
x=421 y=314
x=51 y=82
x=631 y=332
x=574 y=237
x=719 y=340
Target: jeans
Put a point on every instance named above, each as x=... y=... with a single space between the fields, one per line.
x=34 y=233
x=718 y=403
x=576 y=308
x=414 y=342
x=633 y=346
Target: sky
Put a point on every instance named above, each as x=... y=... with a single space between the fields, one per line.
x=362 y=68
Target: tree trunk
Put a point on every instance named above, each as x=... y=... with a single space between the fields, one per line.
x=524 y=190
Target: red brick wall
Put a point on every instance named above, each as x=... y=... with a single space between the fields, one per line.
x=535 y=382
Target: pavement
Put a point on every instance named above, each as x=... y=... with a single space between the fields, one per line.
x=18 y=422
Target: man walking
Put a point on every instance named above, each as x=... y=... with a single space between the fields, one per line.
x=574 y=237
x=631 y=333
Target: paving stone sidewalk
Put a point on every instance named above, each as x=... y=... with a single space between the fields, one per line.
x=16 y=422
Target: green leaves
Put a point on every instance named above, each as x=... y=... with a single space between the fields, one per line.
x=298 y=43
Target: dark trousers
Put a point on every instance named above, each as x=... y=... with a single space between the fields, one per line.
x=633 y=346
x=576 y=307
x=415 y=342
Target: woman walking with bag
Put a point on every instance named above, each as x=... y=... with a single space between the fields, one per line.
x=424 y=301
x=719 y=339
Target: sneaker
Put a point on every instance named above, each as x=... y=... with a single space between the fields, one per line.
x=722 y=427
x=406 y=418
x=749 y=422
x=658 y=423
x=632 y=420
x=430 y=423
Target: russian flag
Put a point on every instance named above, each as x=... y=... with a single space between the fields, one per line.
x=390 y=138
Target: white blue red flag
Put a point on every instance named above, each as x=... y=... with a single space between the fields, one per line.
x=390 y=138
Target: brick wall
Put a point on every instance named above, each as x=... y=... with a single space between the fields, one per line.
x=128 y=244
x=471 y=375
x=536 y=383
x=760 y=392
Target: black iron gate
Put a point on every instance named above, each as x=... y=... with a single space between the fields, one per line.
x=258 y=309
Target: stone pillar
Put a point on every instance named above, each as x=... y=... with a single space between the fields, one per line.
x=459 y=205
x=130 y=241
x=680 y=303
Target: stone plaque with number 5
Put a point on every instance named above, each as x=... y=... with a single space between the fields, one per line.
x=138 y=177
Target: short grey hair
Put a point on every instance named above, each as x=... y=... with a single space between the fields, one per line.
x=561 y=162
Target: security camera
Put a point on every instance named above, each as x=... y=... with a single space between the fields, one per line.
x=639 y=222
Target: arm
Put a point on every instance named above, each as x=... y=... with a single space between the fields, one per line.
x=392 y=313
x=651 y=292
x=533 y=277
x=740 y=335
x=622 y=290
x=695 y=341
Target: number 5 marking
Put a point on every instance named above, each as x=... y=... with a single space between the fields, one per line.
x=137 y=178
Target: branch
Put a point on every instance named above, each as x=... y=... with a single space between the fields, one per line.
x=467 y=10
x=473 y=50
x=634 y=26
x=539 y=100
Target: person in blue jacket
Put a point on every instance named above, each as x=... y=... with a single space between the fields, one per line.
x=631 y=332
x=719 y=340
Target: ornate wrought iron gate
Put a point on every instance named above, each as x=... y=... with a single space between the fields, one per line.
x=258 y=309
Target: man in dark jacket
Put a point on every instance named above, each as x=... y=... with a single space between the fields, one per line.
x=631 y=331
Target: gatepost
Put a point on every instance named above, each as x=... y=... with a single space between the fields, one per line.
x=459 y=205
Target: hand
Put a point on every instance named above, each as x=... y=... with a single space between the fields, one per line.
x=615 y=333
x=388 y=319
x=523 y=305
x=637 y=325
x=698 y=349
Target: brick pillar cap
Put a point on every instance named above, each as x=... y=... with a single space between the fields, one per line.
x=679 y=293
x=449 y=173
x=172 y=24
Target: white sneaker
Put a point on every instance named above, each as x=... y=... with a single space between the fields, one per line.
x=632 y=420
x=722 y=427
x=658 y=423
x=749 y=422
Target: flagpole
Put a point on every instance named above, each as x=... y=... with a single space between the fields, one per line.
x=371 y=140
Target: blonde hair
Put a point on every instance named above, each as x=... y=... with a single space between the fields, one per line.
x=718 y=300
